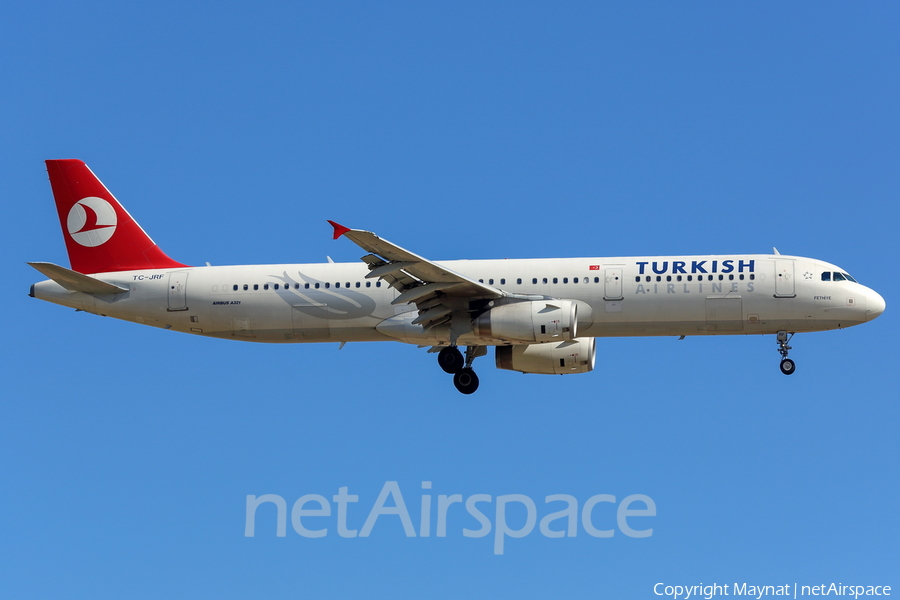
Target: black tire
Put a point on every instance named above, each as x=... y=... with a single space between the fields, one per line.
x=451 y=360
x=788 y=366
x=466 y=381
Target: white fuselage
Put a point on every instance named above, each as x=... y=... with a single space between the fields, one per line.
x=630 y=296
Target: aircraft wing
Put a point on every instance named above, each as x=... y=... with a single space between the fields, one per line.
x=436 y=290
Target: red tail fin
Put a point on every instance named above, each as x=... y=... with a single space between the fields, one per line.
x=100 y=235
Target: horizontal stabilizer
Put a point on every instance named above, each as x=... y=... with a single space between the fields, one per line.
x=75 y=281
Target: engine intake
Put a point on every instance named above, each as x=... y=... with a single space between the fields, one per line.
x=529 y=321
x=555 y=358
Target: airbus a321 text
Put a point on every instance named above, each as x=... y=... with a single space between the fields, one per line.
x=541 y=315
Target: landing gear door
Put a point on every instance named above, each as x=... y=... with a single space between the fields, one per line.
x=612 y=283
x=178 y=291
x=784 y=279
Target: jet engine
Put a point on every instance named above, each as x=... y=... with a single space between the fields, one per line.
x=529 y=321
x=554 y=358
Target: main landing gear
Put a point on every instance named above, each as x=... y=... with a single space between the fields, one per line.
x=787 y=365
x=452 y=361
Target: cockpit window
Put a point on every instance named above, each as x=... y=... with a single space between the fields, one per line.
x=835 y=276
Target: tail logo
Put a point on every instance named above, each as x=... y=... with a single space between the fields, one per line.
x=91 y=221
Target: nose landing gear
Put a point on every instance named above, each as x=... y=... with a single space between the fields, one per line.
x=787 y=365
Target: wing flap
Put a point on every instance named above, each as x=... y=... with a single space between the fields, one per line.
x=388 y=269
x=433 y=314
x=420 y=292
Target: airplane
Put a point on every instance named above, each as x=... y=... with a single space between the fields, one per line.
x=540 y=315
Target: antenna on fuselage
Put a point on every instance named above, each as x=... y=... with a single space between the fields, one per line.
x=775 y=250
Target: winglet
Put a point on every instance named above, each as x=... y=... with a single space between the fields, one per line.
x=339 y=229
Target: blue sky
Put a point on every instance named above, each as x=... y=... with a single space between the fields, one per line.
x=232 y=131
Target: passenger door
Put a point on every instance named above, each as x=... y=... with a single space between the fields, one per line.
x=784 y=279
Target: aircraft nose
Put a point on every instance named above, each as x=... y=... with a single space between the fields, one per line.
x=874 y=305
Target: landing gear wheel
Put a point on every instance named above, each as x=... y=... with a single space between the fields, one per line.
x=466 y=381
x=451 y=360
x=787 y=366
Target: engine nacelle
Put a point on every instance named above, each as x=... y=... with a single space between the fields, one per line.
x=529 y=321
x=554 y=358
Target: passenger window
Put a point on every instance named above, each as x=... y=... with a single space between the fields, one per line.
x=648 y=279
x=637 y=279
x=503 y=281
x=826 y=276
x=659 y=277
x=338 y=284
x=368 y=284
x=357 y=284
x=596 y=280
x=327 y=284
x=306 y=286
x=752 y=276
x=534 y=280
x=690 y=277
x=491 y=281
x=668 y=278
x=255 y=286
x=741 y=276
x=545 y=280
x=678 y=277
x=721 y=277
x=317 y=285
x=378 y=284
x=555 y=280
x=519 y=281
x=731 y=278
x=235 y=287
x=276 y=286
x=565 y=280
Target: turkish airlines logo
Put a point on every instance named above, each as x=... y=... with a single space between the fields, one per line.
x=92 y=221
